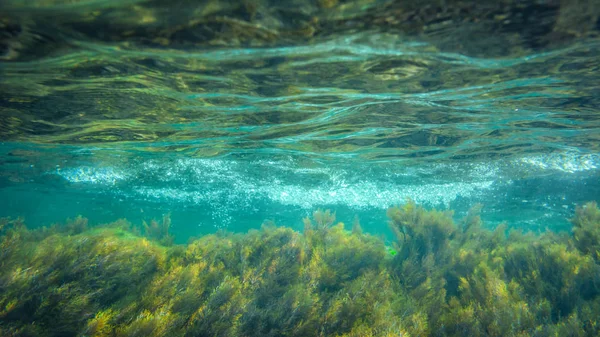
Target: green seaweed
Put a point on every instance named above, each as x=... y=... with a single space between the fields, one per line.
x=159 y=231
x=586 y=229
x=441 y=278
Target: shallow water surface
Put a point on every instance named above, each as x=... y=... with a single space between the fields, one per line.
x=230 y=113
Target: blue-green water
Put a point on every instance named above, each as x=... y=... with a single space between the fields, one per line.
x=281 y=111
x=206 y=194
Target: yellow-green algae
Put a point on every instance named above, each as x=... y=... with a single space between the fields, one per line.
x=441 y=278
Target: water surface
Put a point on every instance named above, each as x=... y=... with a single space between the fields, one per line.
x=229 y=113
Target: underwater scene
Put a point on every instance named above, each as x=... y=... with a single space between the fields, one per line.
x=299 y=168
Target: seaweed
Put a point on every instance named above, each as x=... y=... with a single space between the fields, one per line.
x=586 y=229
x=441 y=278
x=159 y=231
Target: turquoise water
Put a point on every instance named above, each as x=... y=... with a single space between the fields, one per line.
x=275 y=113
x=207 y=194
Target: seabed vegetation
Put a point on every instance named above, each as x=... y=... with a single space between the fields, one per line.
x=440 y=278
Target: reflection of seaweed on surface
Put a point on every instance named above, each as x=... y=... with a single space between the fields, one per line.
x=446 y=279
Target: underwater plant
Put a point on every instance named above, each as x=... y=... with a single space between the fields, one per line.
x=321 y=221
x=159 y=231
x=586 y=229
x=471 y=281
x=441 y=278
